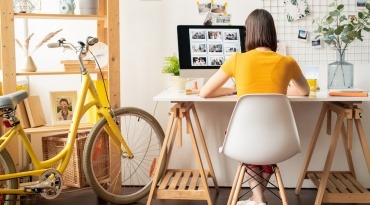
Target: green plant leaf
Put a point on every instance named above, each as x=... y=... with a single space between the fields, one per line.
x=171 y=65
x=361 y=15
x=334 y=13
x=348 y=28
x=367 y=29
x=342 y=18
x=339 y=30
x=367 y=5
x=340 y=7
x=329 y=20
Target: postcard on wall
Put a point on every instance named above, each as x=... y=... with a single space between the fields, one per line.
x=204 y=7
x=361 y=4
x=218 y=8
x=295 y=9
x=223 y=19
x=210 y=19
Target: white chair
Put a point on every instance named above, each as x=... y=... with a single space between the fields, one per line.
x=261 y=131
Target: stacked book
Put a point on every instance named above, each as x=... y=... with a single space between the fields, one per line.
x=349 y=92
x=74 y=65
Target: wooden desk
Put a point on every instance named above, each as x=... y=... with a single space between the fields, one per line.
x=333 y=187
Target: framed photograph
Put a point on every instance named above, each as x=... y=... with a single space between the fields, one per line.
x=62 y=106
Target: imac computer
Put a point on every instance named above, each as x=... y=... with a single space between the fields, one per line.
x=203 y=49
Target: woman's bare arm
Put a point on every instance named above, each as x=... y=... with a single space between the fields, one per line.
x=300 y=87
x=213 y=87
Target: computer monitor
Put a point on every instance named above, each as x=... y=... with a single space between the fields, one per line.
x=203 y=49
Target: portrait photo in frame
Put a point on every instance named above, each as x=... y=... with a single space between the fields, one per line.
x=62 y=106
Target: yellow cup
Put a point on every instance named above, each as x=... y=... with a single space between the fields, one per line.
x=312 y=83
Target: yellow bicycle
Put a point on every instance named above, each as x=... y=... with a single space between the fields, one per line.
x=131 y=134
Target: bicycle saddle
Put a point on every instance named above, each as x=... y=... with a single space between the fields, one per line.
x=12 y=99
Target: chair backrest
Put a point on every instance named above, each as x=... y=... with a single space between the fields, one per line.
x=262 y=130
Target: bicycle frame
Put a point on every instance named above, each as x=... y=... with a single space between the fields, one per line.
x=40 y=166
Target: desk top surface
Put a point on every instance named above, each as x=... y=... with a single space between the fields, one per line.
x=322 y=96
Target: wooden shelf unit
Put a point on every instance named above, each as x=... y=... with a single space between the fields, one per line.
x=59 y=128
x=107 y=24
x=60 y=16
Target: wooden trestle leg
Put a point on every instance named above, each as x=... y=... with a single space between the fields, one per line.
x=185 y=184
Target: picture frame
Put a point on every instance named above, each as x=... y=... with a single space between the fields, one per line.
x=62 y=100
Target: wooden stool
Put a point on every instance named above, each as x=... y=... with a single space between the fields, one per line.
x=343 y=186
x=183 y=184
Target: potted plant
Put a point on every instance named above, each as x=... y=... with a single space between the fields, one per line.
x=172 y=67
x=339 y=31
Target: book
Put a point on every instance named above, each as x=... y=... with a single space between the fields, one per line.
x=22 y=115
x=349 y=93
x=34 y=111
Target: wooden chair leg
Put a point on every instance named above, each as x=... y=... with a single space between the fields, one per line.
x=234 y=183
x=240 y=176
x=279 y=180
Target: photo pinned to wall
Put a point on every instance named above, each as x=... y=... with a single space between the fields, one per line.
x=352 y=17
x=223 y=19
x=62 y=106
x=210 y=19
x=218 y=8
x=296 y=9
x=361 y=4
x=316 y=43
x=281 y=48
x=303 y=35
x=216 y=13
x=204 y=7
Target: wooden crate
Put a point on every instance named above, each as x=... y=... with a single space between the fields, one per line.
x=73 y=176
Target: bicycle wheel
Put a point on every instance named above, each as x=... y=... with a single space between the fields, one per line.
x=7 y=167
x=130 y=179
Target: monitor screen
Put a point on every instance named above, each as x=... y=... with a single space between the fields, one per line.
x=203 y=49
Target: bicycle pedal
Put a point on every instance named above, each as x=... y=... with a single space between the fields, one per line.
x=39 y=187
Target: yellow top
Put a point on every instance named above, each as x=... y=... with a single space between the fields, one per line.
x=261 y=72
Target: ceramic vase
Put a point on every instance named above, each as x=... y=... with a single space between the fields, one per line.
x=29 y=65
x=340 y=73
x=88 y=7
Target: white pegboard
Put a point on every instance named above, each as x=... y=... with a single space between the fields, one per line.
x=358 y=51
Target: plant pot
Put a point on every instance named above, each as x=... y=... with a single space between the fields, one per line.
x=340 y=73
x=88 y=7
x=178 y=83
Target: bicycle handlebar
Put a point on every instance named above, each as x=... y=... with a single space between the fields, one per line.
x=81 y=50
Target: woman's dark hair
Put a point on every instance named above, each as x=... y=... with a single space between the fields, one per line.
x=65 y=100
x=261 y=31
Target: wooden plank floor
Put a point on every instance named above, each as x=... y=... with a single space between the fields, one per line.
x=87 y=196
